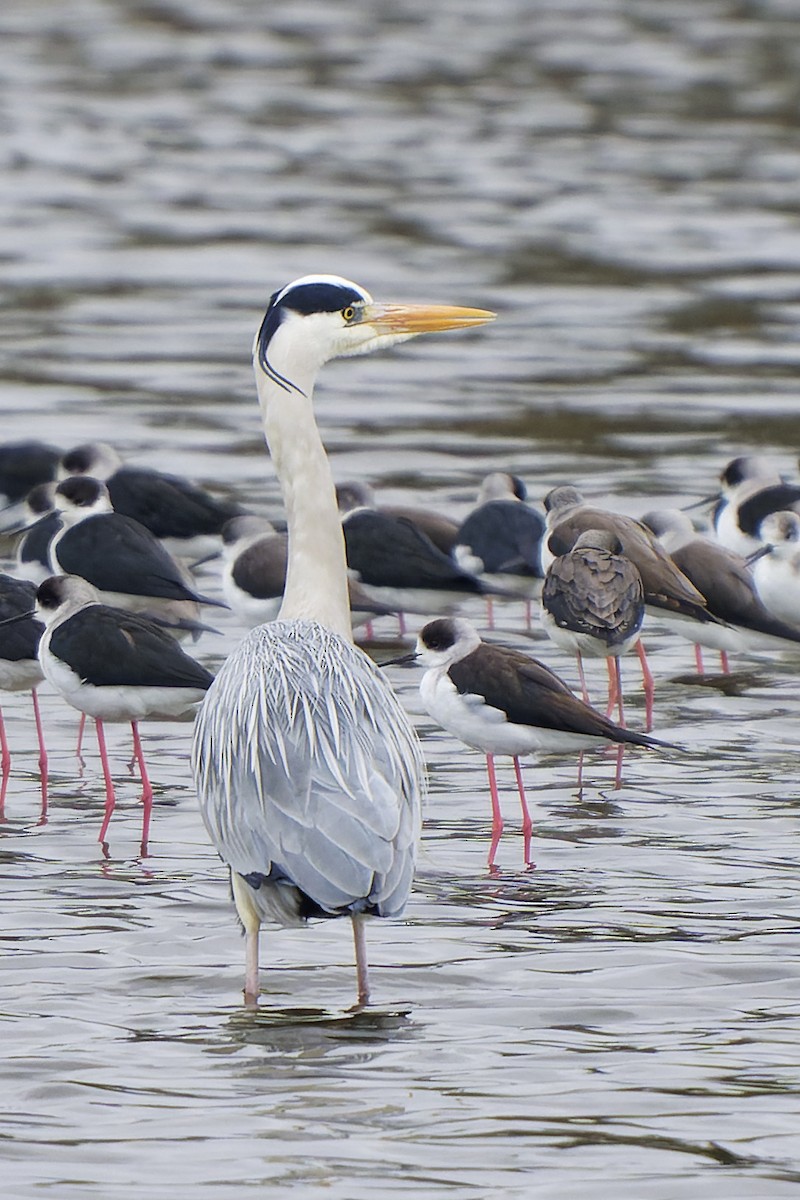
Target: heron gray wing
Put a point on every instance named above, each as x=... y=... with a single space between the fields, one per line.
x=306 y=763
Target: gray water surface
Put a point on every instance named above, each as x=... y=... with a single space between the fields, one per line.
x=619 y=181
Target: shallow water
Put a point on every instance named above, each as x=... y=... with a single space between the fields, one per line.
x=619 y=182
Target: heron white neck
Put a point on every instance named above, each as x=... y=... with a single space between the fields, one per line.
x=316 y=575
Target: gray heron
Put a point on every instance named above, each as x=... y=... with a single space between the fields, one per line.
x=308 y=771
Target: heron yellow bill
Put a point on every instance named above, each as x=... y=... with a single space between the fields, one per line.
x=422 y=318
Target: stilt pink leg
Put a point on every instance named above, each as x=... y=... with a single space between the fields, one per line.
x=497 y=816
x=615 y=688
x=528 y=614
x=579 y=780
x=147 y=791
x=81 y=731
x=37 y=716
x=362 y=966
x=111 y=799
x=698 y=658
x=527 y=823
x=582 y=678
x=369 y=633
x=5 y=755
x=618 y=775
x=649 y=686
x=5 y=761
x=401 y=624
x=723 y=662
x=490 y=612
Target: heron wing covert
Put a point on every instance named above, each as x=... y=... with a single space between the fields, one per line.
x=300 y=756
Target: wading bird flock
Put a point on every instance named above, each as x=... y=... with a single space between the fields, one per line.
x=308 y=769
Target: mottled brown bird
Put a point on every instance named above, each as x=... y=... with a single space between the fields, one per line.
x=667 y=591
x=665 y=587
x=593 y=604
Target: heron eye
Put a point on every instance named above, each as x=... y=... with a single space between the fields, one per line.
x=348 y=313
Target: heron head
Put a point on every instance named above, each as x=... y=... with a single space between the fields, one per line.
x=320 y=317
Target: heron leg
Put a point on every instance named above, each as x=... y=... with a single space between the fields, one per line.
x=527 y=823
x=111 y=799
x=147 y=790
x=37 y=716
x=251 y=921
x=649 y=686
x=251 y=966
x=362 y=966
x=497 y=816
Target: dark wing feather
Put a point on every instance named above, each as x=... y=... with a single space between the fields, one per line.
x=25 y=464
x=769 y=500
x=392 y=552
x=110 y=648
x=664 y=585
x=595 y=592
x=117 y=554
x=260 y=569
x=170 y=507
x=19 y=640
x=35 y=546
x=505 y=536
x=529 y=693
x=440 y=529
x=727 y=581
